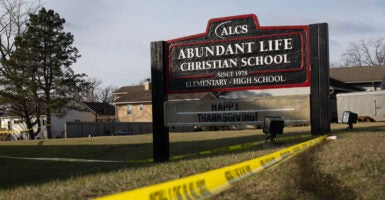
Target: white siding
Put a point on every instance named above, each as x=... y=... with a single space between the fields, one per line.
x=59 y=123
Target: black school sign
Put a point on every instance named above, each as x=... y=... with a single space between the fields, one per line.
x=236 y=53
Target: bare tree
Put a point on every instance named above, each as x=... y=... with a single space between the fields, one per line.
x=365 y=53
x=91 y=91
x=97 y=93
x=13 y=19
x=106 y=95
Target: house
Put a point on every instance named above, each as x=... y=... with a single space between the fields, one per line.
x=370 y=78
x=88 y=112
x=15 y=126
x=103 y=112
x=134 y=103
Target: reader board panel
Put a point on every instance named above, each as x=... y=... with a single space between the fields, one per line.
x=293 y=109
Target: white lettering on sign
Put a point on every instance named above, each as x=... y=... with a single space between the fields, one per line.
x=222 y=30
x=275 y=45
x=232 y=55
x=250 y=61
x=206 y=83
x=235 y=81
x=269 y=79
x=235 y=48
x=209 y=64
x=264 y=60
x=258 y=80
x=215 y=50
x=234 y=62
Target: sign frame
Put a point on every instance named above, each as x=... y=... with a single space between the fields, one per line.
x=317 y=77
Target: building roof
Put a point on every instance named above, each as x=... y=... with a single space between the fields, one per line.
x=343 y=87
x=137 y=94
x=100 y=108
x=130 y=94
x=358 y=74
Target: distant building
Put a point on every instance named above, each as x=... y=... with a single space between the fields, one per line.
x=103 y=112
x=134 y=103
x=370 y=78
x=88 y=112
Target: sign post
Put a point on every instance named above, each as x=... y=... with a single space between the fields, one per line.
x=160 y=131
x=319 y=89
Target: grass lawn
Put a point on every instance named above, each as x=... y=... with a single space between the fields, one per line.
x=350 y=167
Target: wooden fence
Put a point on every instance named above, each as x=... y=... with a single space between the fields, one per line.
x=87 y=129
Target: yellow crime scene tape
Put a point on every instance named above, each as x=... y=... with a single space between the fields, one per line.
x=204 y=185
x=14 y=131
x=18 y=131
x=234 y=147
x=59 y=159
x=178 y=157
x=77 y=160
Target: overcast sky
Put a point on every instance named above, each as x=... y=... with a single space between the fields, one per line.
x=113 y=36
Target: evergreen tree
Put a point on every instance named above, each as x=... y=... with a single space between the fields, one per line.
x=19 y=93
x=45 y=54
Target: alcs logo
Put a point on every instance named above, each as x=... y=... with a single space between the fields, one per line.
x=225 y=29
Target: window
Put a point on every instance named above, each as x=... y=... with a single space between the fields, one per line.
x=141 y=107
x=18 y=122
x=129 y=109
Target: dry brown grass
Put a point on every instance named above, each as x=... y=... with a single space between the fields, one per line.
x=350 y=167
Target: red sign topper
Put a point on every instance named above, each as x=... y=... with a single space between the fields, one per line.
x=235 y=53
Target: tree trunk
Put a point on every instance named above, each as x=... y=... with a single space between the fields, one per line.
x=48 y=125
x=48 y=110
x=30 y=125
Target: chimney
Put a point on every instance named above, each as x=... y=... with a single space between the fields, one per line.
x=147 y=85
